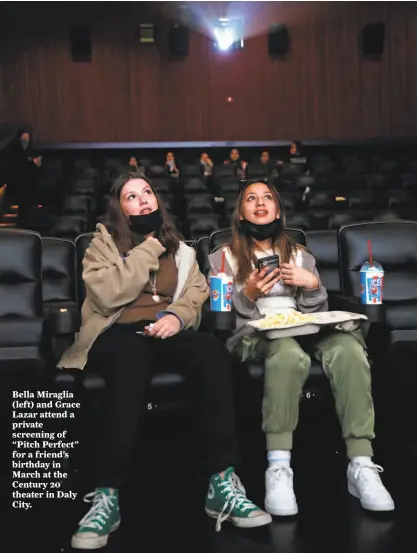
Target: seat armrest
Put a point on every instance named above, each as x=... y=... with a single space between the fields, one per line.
x=221 y=323
x=206 y=324
x=63 y=320
x=374 y=313
x=374 y=329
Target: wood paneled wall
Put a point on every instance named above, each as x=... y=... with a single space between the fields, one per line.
x=131 y=92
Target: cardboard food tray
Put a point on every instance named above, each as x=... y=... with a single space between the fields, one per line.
x=341 y=320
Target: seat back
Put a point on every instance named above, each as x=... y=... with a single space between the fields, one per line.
x=321 y=200
x=361 y=199
x=161 y=185
x=300 y=220
x=81 y=244
x=223 y=170
x=340 y=219
x=20 y=273
x=254 y=170
x=168 y=201
x=77 y=205
x=195 y=170
x=394 y=246
x=202 y=251
x=224 y=236
x=323 y=245
x=227 y=185
x=202 y=224
x=154 y=171
x=194 y=185
x=200 y=203
x=59 y=281
x=25 y=347
x=69 y=226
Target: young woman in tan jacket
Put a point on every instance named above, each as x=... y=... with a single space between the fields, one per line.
x=144 y=295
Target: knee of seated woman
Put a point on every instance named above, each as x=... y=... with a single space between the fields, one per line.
x=347 y=348
x=288 y=357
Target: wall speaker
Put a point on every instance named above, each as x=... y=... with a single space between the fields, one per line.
x=278 y=40
x=81 y=47
x=373 y=38
x=179 y=40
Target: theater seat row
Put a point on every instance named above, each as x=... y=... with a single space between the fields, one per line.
x=41 y=292
x=339 y=256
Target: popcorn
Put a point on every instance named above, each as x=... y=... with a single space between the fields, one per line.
x=284 y=319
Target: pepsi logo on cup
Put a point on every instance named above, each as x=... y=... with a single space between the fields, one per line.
x=215 y=295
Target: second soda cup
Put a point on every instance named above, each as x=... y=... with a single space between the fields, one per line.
x=221 y=288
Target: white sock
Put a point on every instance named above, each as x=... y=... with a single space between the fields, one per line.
x=362 y=460
x=280 y=456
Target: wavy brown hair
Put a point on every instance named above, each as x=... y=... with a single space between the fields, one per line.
x=242 y=246
x=118 y=223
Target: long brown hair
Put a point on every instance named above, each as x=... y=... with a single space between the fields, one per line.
x=242 y=246
x=118 y=224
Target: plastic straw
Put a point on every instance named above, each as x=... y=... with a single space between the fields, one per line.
x=370 y=251
x=223 y=262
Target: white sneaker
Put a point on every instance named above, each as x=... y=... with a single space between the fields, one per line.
x=365 y=483
x=280 y=497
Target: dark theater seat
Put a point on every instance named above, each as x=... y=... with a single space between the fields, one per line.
x=167 y=391
x=323 y=245
x=69 y=226
x=202 y=250
x=202 y=224
x=394 y=245
x=317 y=384
x=59 y=290
x=24 y=339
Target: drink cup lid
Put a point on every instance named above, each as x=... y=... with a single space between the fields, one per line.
x=371 y=267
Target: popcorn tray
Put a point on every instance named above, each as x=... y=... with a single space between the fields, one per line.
x=294 y=323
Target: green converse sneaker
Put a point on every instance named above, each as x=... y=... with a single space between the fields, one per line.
x=226 y=500
x=102 y=519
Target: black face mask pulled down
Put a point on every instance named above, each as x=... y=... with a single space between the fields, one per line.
x=146 y=224
x=270 y=231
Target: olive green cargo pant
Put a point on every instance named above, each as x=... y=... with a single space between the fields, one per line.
x=344 y=360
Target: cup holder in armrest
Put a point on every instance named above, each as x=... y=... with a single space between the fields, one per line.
x=64 y=320
x=224 y=320
x=375 y=313
x=213 y=321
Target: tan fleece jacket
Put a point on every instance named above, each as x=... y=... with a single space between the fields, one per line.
x=112 y=282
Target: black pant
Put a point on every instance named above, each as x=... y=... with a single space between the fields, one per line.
x=125 y=360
